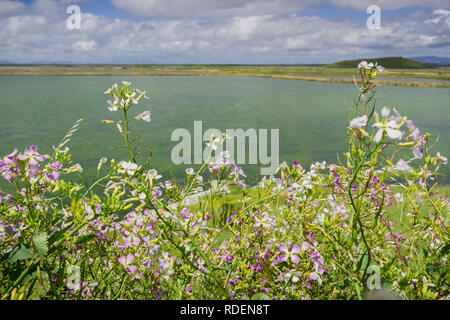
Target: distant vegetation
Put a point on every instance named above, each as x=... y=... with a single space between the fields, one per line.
x=399 y=71
x=390 y=62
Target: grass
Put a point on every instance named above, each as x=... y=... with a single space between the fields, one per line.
x=225 y=207
x=389 y=62
x=329 y=73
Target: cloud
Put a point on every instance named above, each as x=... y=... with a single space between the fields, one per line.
x=39 y=33
x=9 y=8
x=441 y=15
x=211 y=8
x=390 y=4
x=84 y=45
x=233 y=8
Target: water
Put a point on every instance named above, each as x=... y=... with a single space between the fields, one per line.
x=312 y=116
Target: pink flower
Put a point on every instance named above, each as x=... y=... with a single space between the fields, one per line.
x=403 y=166
x=314 y=276
x=125 y=261
x=290 y=254
x=318 y=261
x=305 y=245
x=33 y=156
x=56 y=165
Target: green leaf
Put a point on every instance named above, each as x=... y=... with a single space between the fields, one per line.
x=386 y=267
x=41 y=243
x=425 y=253
x=430 y=268
x=403 y=282
x=228 y=266
x=84 y=238
x=362 y=263
x=34 y=275
x=445 y=250
x=55 y=237
x=18 y=253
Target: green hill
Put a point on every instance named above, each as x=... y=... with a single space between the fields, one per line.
x=389 y=62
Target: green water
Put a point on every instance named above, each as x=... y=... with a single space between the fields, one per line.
x=312 y=116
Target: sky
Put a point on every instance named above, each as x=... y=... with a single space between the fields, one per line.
x=220 y=31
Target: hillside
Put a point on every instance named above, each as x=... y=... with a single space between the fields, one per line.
x=389 y=62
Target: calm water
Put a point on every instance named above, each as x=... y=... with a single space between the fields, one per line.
x=312 y=116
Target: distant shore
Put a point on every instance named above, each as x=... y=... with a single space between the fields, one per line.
x=434 y=78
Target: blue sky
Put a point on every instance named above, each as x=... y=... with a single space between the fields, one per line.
x=218 y=31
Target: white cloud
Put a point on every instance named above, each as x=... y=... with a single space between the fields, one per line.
x=39 y=34
x=202 y=8
x=84 y=45
x=390 y=4
x=232 y=8
x=9 y=8
x=442 y=15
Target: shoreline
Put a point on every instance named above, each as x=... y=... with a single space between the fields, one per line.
x=313 y=78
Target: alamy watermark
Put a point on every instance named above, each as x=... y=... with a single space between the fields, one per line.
x=374 y=280
x=235 y=144
x=74 y=20
x=374 y=20
x=74 y=281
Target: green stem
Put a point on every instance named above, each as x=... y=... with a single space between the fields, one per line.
x=127 y=141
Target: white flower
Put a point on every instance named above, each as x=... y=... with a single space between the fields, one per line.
x=399 y=197
x=141 y=94
x=359 y=122
x=128 y=167
x=365 y=65
x=145 y=116
x=415 y=134
x=319 y=166
x=213 y=142
x=403 y=166
x=75 y=168
x=101 y=162
x=379 y=68
x=131 y=98
x=142 y=196
x=440 y=157
x=391 y=128
x=190 y=171
x=112 y=105
x=307 y=183
x=398 y=118
x=385 y=112
x=168 y=185
x=152 y=174
x=418 y=152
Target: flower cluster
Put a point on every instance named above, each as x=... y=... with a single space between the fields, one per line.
x=301 y=234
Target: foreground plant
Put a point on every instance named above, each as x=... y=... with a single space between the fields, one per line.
x=335 y=231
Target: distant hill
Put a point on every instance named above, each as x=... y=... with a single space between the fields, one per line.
x=440 y=61
x=389 y=62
